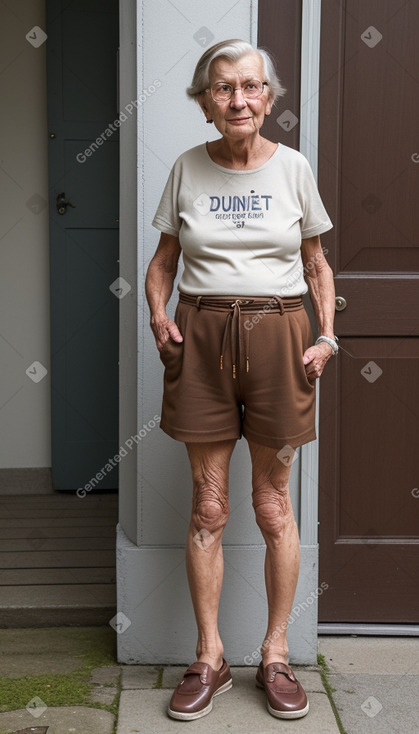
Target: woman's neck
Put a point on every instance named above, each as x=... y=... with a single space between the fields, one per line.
x=241 y=154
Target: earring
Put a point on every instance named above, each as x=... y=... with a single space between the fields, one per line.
x=209 y=121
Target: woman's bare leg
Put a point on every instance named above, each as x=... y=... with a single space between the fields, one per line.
x=204 y=556
x=275 y=517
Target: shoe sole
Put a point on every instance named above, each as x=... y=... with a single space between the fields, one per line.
x=285 y=714
x=203 y=712
x=288 y=714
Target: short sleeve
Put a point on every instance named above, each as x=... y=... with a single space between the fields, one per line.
x=166 y=218
x=315 y=219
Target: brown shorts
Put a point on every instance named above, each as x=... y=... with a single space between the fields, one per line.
x=239 y=371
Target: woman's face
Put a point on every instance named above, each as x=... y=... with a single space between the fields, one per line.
x=237 y=118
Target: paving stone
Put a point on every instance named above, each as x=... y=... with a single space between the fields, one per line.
x=139 y=676
x=370 y=654
x=105 y=676
x=103 y=694
x=375 y=682
x=377 y=704
x=60 y=720
x=242 y=710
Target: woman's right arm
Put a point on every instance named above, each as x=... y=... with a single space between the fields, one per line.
x=160 y=277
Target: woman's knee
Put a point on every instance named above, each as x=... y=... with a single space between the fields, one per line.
x=210 y=509
x=273 y=510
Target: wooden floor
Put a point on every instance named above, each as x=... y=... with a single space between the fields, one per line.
x=57 y=559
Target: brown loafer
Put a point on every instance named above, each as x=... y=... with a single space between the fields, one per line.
x=193 y=697
x=286 y=696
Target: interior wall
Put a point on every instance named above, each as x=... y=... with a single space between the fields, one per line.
x=24 y=238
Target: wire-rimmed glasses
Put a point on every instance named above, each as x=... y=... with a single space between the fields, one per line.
x=223 y=92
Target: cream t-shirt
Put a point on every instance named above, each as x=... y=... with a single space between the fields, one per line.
x=241 y=230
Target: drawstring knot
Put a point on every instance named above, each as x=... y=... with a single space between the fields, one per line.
x=235 y=307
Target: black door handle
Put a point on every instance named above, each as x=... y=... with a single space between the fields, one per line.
x=62 y=204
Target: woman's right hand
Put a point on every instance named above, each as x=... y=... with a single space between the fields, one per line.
x=161 y=274
x=164 y=329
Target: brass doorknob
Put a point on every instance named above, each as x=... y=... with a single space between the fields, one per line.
x=340 y=303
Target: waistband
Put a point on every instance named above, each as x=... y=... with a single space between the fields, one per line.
x=245 y=303
x=235 y=307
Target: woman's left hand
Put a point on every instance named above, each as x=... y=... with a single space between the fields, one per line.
x=315 y=358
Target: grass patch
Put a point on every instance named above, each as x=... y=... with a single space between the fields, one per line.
x=321 y=660
x=89 y=647
x=159 y=681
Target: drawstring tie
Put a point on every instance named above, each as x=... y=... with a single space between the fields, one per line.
x=236 y=307
x=233 y=325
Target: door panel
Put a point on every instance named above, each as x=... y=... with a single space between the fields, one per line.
x=377 y=373
x=369 y=407
x=89 y=43
x=96 y=184
x=82 y=93
x=87 y=413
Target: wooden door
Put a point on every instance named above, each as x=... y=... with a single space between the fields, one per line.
x=83 y=170
x=369 y=407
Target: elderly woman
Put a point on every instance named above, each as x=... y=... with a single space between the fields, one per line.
x=239 y=359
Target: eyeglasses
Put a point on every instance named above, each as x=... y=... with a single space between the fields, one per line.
x=222 y=92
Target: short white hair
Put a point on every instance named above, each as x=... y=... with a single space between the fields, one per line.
x=233 y=49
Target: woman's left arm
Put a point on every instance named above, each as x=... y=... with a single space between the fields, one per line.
x=319 y=278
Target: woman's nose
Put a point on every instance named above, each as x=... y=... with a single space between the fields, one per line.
x=237 y=99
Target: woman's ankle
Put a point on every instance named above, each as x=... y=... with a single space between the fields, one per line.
x=211 y=654
x=215 y=661
x=274 y=652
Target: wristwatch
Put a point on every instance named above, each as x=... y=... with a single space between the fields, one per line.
x=333 y=343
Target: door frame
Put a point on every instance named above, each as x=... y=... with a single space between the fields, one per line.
x=308 y=144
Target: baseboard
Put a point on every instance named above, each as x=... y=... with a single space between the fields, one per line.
x=369 y=629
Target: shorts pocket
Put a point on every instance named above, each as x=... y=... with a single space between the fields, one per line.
x=307 y=383
x=302 y=340
x=171 y=355
x=311 y=385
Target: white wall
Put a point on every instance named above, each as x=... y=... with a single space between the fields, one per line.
x=24 y=240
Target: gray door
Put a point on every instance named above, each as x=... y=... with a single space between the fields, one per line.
x=83 y=170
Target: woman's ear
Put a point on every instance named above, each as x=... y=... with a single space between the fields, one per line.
x=269 y=105
x=204 y=107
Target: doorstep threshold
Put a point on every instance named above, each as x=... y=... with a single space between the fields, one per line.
x=381 y=630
